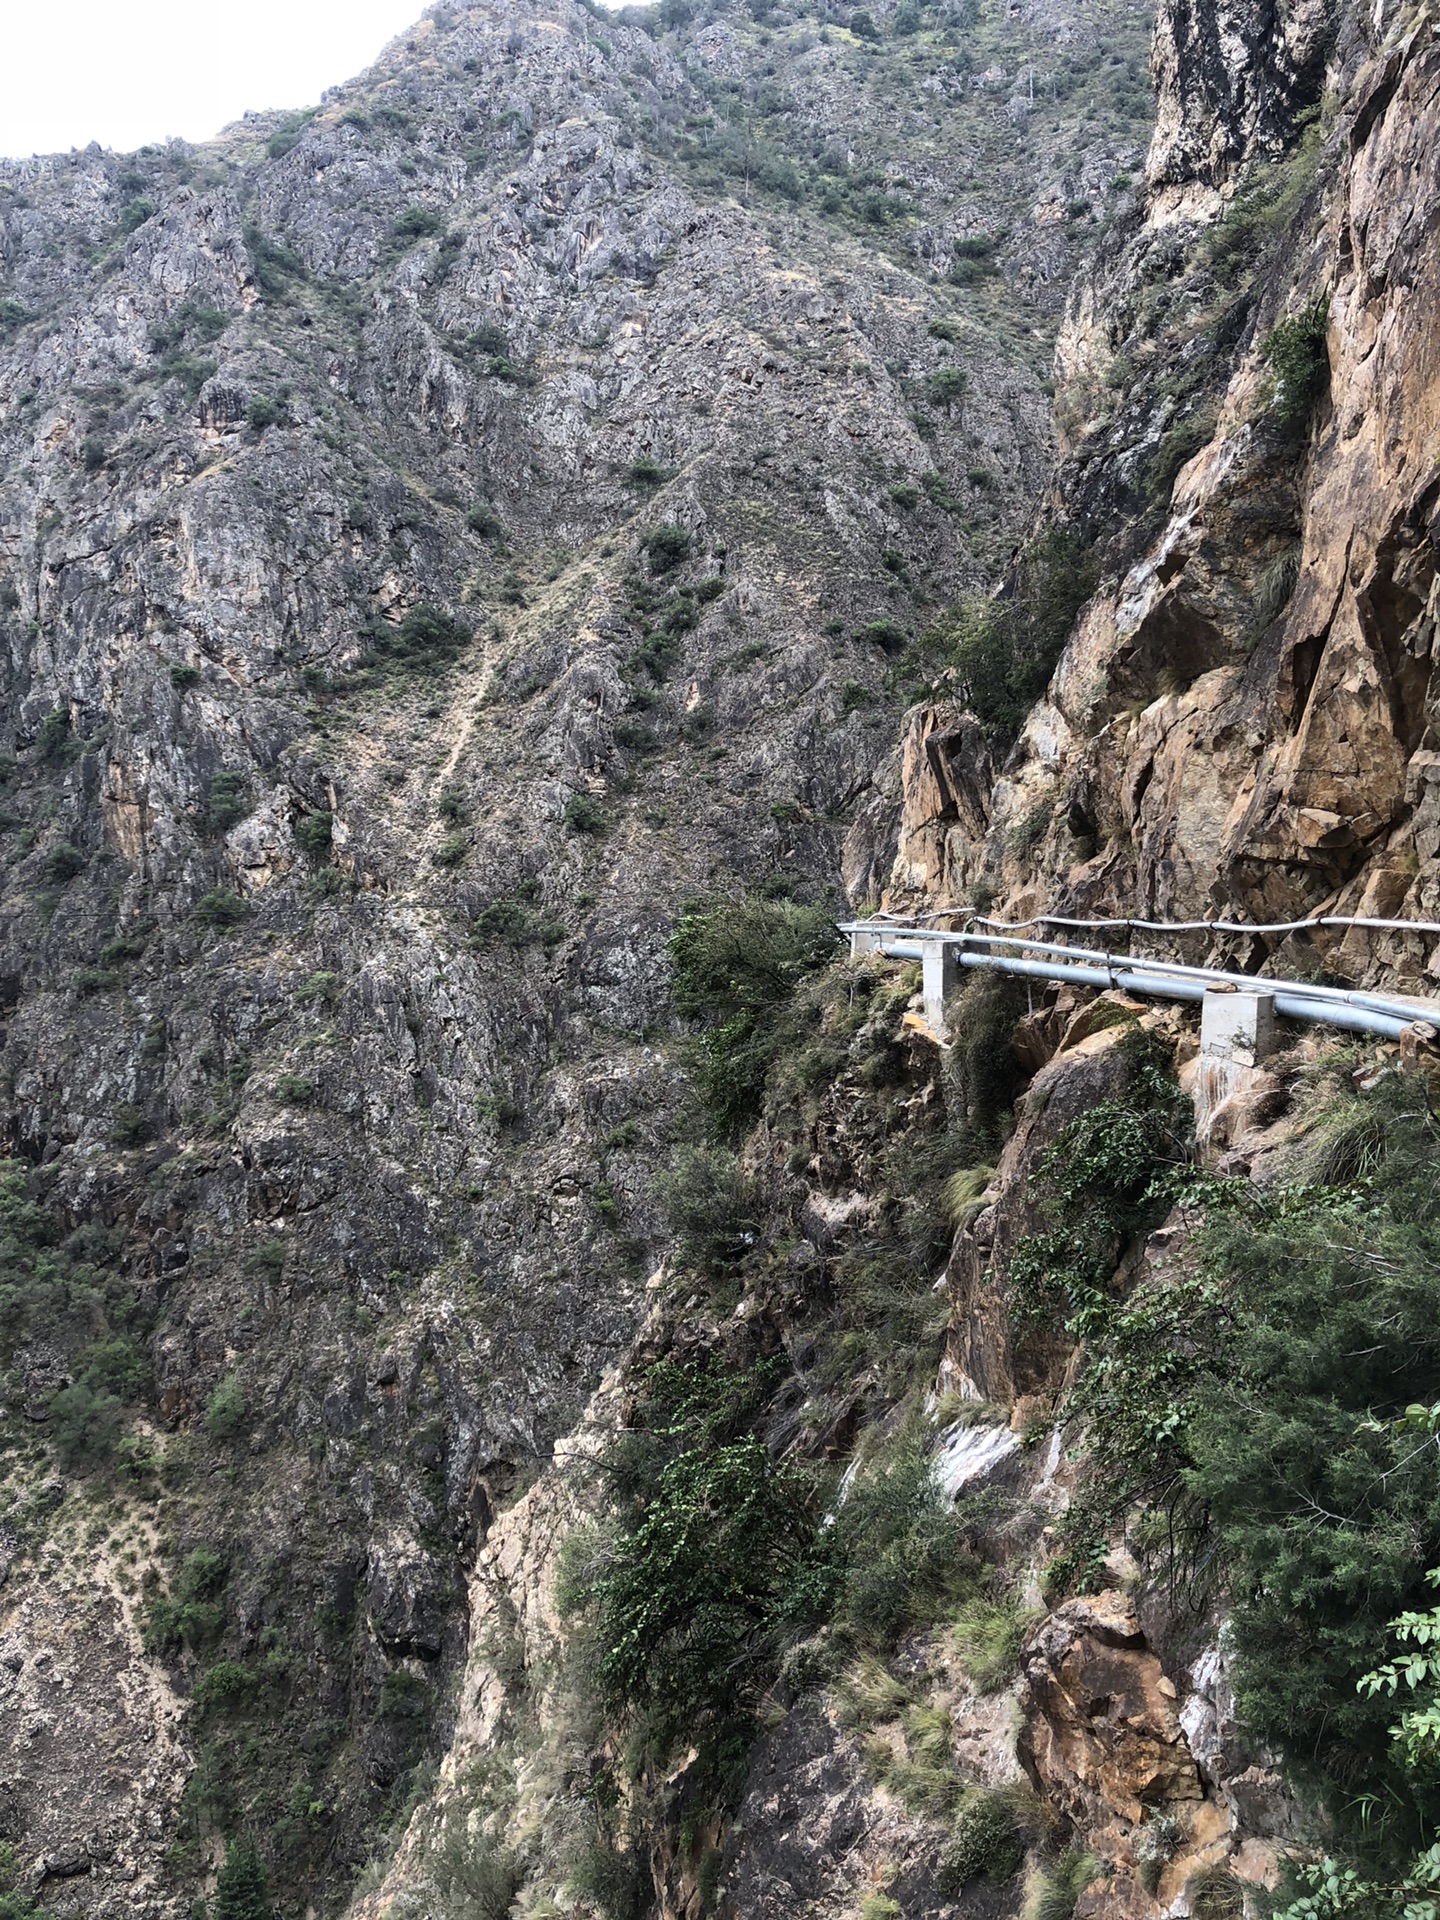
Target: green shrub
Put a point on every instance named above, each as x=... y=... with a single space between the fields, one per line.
x=985 y=1843
x=736 y=964
x=227 y=803
x=666 y=547
x=426 y=638
x=452 y=850
x=135 y=213
x=1299 y=361
x=713 y=1209
x=483 y=519
x=275 y=265
x=62 y=863
x=1002 y=652
x=647 y=472
x=904 y=1550
x=92 y=453
x=220 y=909
x=193 y=1613
x=129 y=1126
x=83 y=1424
x=946 y=386
x=261 y=411
x=88 y=980
x=717 y=1565
x=417 y=222
x=1054 y=1892
x=989 y=1635
x=55 y=742
x=582 y=815
x=240 y=1889
x=222 y=1686
x=183 y=677
x=293 y=1089
x=314 y=831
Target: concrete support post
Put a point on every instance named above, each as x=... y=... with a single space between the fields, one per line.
x=941 y=975
x=865 y=940
x=1237 y=1026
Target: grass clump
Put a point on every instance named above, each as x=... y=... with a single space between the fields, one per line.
x=1296 y=353
x=985 y=1842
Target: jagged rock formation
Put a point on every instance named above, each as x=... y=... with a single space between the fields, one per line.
x=1240 y=721
x=438 y=535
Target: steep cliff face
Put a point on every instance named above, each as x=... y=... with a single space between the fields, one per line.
x=439 y=534
x=1239 y=723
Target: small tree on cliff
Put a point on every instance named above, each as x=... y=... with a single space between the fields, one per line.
x=240 y=1892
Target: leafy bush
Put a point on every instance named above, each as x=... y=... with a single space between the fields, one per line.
x=985 y=1842
x=666 y=547
x=293 y=1089
x=483 y=519
x=183 y=677
x=904 y=1550
x=220 y=909
x=62 y=863
x=240 y=1889
x=451 y=851
x=426 y=638
x=416 y=222
x=261 y=411
x=135 y=213
x=737 y=963
x=717 y=1565
x=55 y=741
x=84 y=1424
x=582 y=815
x=946 y=386
x=647 y=472
x=713 y=1209
x=193 y=1612
x=1299 y=362
x=227 y=803
x=1002 y=652
x=314 y=831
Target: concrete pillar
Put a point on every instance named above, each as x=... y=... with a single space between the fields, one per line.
x=941 y=975
x=865 y=940
x=1237 y=1026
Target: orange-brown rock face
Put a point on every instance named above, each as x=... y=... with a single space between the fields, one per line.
x=1102 y=1737
x=1208 y=744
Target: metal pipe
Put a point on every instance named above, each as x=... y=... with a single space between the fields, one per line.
x=1186 y=926
x=1394 y=1007
x=1334 y=1006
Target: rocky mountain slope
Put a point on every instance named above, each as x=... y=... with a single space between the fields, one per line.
x=439 y=535
x=531 y=1388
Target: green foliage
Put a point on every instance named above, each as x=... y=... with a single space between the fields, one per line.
x=313 y=832
x=184 y=677
x=1055 y=1891
x=426 y=639
x=220 y=909
x=261 y=411
x=947 y=386
x=240 y=1890
x=712 y=1208
x=483 y=519
x=275 y=265
x=985 y=1843
x=62 y=863
x=582 y=815
x=716 y=1565
x=84 y=1425
x=666 y=547
x=737 y=964
x=989 y=1635
x=1299 y=363
x=452 y=850
x=223 y=1686
x=135 y=213
x=193 y=1612
x=1001 y=653
x=226 y=1414
x=647 y=472
x=92 y=453
x=227 y=803
x=903 y=1548
x=416 y=222
x=55 y=743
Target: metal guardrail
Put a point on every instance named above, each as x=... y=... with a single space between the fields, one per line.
x=942 y=953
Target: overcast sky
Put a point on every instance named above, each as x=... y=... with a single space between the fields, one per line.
x=126 y=72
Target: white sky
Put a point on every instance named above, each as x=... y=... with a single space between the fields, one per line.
x=126 y=72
